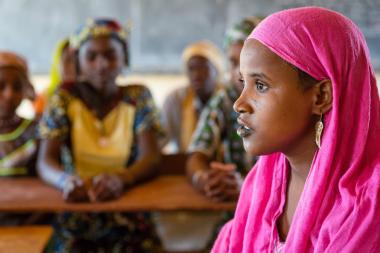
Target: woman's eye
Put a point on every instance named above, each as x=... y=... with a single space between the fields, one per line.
x=261 y=87
x=241 y=81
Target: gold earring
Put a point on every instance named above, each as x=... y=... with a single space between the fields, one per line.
x=318 y=131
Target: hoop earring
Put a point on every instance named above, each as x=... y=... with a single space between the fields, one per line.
x=318 y=131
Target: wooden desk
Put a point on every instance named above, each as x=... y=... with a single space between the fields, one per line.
x=30 y=239
x=165 y=193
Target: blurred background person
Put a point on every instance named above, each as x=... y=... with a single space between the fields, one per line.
x=203 y=63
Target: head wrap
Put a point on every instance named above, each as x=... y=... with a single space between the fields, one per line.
x=10 y=59
x=55 y=75
x=100 y=27
x=207 y=50
x=240 y=31
x=339 y=208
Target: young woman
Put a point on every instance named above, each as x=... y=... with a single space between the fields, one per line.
x=99 y=139
x=18 y=142
x=218 y=162
x=204 y=67
x=310 y=107
x=18 y=139
x=62 y=70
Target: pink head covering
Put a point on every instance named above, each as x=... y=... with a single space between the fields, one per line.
x=339 y=209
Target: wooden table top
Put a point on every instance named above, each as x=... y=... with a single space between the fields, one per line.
x=29 y=239
x=164 y=193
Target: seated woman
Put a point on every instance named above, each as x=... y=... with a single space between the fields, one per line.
x=99 y=139
x=18 y=140
x=204 y=67
x=217 y=160
x=62 y=70
x=310 y=107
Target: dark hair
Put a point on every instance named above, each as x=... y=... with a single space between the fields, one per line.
x=306 y=80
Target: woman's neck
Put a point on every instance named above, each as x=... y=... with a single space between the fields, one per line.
x=99 y=102
x=301 y=157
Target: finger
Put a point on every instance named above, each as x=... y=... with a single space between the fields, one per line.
x=215 y=181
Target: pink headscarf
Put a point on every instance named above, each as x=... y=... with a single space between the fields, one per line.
x=339 y=209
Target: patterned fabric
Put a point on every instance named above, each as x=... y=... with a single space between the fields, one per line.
x=240 y=31
x=18 y=151
x=97 y=28
x=101 y=27
x=215 y=135
x=118 y=232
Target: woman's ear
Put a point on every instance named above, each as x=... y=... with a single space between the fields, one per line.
x=323 y=97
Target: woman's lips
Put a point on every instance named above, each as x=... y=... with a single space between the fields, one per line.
x=243 y=130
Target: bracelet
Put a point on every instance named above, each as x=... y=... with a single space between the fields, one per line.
x=62 y=180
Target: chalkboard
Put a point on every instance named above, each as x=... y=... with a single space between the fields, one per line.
x=160 y=28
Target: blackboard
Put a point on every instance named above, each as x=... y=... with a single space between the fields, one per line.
x=160 y=28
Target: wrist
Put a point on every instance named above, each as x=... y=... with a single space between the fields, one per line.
x=197 y=179
x=62 y=180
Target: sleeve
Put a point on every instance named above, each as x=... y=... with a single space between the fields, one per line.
x=207 y=135
x=222 y=243
x=147 y=116
x=170 y=115
x=54 y=122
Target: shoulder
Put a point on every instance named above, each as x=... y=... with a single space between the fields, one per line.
x=176 y=97
x=135 y=93
x=179 y=93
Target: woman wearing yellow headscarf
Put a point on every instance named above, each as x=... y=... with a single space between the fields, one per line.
x=62 y=70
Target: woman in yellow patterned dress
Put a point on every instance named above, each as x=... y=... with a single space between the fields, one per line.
x=99 y=139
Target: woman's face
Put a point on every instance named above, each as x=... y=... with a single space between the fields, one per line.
x=275 y=112
x=101 y=60
x=12 y=89
x=202 y=75
x=233 y=53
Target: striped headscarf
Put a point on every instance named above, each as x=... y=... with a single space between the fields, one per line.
x=100 y=27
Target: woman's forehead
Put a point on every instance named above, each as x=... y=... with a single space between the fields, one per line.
x=255 y=54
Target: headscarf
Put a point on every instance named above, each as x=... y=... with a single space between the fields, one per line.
x=10 y=59
x=207 y=50
x=240 y=31
x=100 y=27
x=339 y=209
x=55 y=75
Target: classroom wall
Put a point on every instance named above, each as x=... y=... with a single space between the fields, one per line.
x=160 y=28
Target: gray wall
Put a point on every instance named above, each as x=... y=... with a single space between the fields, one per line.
x=160 y=28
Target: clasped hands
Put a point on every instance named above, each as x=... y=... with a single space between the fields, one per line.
x=221 y=183
x=100 y=188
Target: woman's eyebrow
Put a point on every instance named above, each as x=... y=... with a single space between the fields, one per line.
x=259 y=75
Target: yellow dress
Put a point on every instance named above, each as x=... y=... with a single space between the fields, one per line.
x=100 y=145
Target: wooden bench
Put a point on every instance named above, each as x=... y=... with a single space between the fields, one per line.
x=29 y=239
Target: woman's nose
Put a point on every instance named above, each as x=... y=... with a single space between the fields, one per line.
x=242 y=105
x=8 y=92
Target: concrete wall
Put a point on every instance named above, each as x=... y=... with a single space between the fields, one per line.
x=160 y=28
